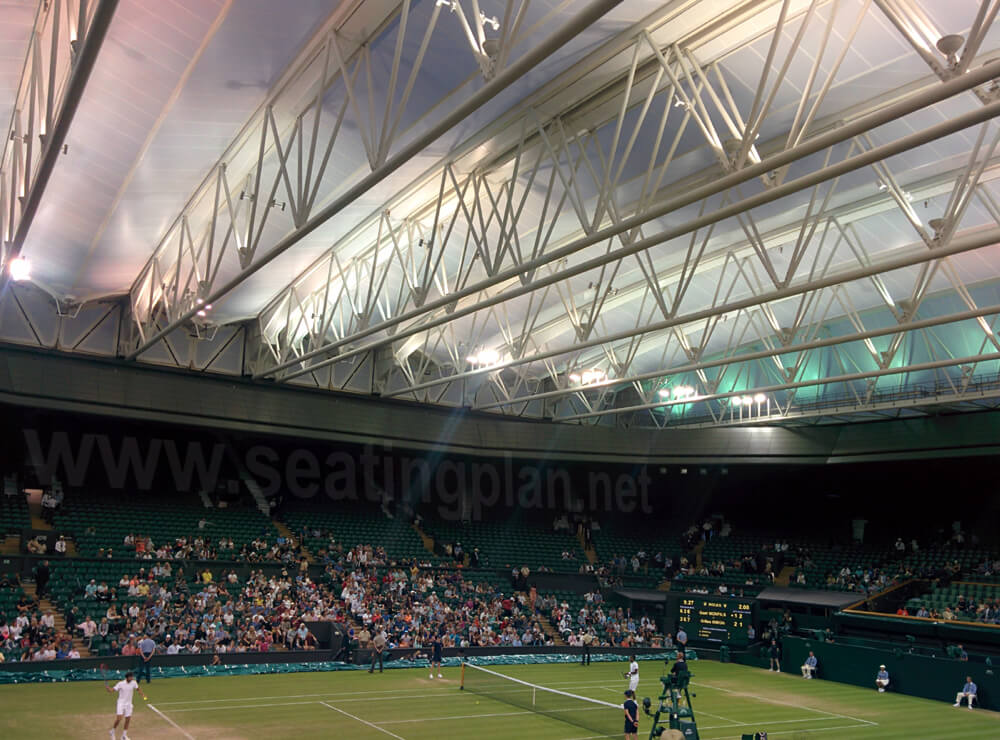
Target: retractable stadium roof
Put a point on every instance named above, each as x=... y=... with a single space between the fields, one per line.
x=658 y=214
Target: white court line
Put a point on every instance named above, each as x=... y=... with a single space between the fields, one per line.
x=786 y=703
x=738 y=723
x=819 y=729
x=229 y=707
x=307 y=696
x=172 y=723
x=457 y=716
x=543 y=713
x=735 y=722
x=362 y=721
x=450 y=686
x=380 y=695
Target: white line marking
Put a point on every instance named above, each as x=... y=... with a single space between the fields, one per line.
x=172 y=723
x=540 y=713
x=229 y=707
x=820 y=729
x=768 y=722
x=457 y=716
x=362 y=721
x=785 y=703
x=700 y=712
x=449 y=685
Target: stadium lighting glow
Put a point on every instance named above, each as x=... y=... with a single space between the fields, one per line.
x=747 y=400
x=683 y=391
x=760 y=398
x=485 y=357
x=589 y=377
x=737 y=401
x=20 y=269
x=664 y=392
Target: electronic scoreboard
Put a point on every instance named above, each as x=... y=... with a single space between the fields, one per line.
x=716 y=618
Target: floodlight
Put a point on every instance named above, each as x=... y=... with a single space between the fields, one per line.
x=20 y=269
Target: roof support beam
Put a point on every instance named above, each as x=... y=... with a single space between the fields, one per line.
x=848 y=377
x=697 y=194
x=774 y=351
x=74 y=35
x=515 y=71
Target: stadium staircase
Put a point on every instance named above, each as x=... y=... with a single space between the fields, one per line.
x=284 y=531
x=60 y=622
x=549 y=629
x=589 y=551
x=785 y=576
x=257 y=493
x=426 y=539
x=11 y=545
x=699 y=548
x=36 y=520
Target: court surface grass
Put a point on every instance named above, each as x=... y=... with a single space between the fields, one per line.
x=405 y=704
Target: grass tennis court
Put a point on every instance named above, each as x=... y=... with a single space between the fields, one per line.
x=407 y=705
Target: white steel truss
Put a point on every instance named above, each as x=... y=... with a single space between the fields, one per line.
x=351 y=298
x=672 y=246
x=61 y=50
x=272 y=188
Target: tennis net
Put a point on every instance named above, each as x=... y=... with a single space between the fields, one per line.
x=599 y=718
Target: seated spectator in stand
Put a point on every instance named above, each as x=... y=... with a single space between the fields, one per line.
x=89 y=628
x=809 y=667
x=882 y=679
x=968 y=693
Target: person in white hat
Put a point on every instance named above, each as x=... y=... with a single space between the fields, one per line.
x=882 y=679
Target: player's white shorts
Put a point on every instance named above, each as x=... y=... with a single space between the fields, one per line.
x=633 y=683
x=124 y=709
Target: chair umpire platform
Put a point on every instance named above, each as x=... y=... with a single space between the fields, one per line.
x=675 y=703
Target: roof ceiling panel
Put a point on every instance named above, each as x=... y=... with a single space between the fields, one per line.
x=15 y=33
x=180 y=86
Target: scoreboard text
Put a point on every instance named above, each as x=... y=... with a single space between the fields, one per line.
x=716 y=619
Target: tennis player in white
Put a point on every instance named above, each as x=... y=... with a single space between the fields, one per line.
x=633 y=674
x=125 y=689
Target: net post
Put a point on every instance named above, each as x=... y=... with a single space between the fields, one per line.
x=461 y=680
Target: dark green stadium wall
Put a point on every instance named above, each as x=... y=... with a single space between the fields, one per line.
x=915 y=675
